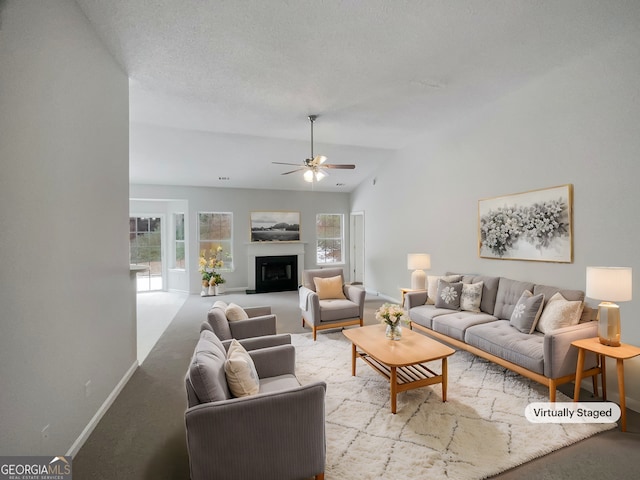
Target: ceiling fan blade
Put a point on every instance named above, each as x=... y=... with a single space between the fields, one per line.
x=343 y=166
x=282 y=163
x=319 y=159
x=293 y=171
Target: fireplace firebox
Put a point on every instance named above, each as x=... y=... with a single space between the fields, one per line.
x=276 y=273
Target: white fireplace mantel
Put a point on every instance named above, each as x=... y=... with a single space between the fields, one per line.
x=273 y=249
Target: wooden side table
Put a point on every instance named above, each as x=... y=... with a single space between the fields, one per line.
x=621 y=353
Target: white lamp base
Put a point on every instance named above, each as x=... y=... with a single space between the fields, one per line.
x=609 y=324
x=418 y=280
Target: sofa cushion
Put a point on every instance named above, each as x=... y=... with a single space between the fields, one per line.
x=527 y=312
x=509 y=292
x=549 y=292
x=206 y=371
x=559 y=313
x=432 y=285
x=331 y=310
x=489 y=290
x=455 y=324
x=471 y=296
x=278 y=383
x=235 y=312
x=448 y=295
x=424 y=314
x=330 y=287
x=502 y=340
x=241 y=371
x=217 y=318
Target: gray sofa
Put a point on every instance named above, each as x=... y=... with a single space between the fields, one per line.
x=547 y=358
x=278 y=433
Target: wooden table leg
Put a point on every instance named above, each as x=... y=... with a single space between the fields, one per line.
x=444 y=379
x=579 y=369
x=353 y=359
x=603 y=375
x=393 y=381
x=623 y=406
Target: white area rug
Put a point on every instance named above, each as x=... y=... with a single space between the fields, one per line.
x=480 y=431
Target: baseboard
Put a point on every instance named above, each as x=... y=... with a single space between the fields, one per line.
x=382 y=296
x=612 y=394
x=77 y=445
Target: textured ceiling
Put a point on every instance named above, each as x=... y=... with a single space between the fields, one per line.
x=223 y=88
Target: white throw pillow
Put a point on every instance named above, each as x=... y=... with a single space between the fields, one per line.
x=235 y=312
x=558 y=313
x=471 y=297
x=220 y=304
x=242 y=377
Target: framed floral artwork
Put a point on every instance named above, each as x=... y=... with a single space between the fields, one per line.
x=535 y=225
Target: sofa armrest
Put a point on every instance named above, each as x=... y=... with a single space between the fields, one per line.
x=274 y=361
x=356 y=295
x=414 y=299
x=283 y=432
x=258 y=311
x=560 y=357
x=310 y=305
x=255 y=343
x=253 y=327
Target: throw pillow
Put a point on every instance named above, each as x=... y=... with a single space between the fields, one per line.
x=559 y=313
x=235 y=312
x=220 y=304
x=471 y=296
x=432 y=285
x=448 y=295
x=330 y=287
x=242 y=377
x=527 y=312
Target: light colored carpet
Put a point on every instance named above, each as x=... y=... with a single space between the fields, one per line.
x=480 y=431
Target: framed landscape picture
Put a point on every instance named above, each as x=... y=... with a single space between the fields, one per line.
x=535 y=225
x=275 y=226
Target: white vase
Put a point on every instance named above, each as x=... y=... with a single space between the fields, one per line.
x=212 y=289
x=220 y=289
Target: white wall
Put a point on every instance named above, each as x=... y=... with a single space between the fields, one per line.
x=66 y=299
x=578 y=124
x=241 y=202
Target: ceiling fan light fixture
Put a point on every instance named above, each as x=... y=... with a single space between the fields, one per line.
x=308 y=176
x=320 y=175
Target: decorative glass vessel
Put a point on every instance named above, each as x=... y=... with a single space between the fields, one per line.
x=393 y=332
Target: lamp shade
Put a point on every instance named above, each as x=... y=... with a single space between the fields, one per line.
x=612 y=284
x=418 y=261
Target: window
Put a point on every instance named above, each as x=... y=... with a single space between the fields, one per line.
x=329 y=238
x=178 y=258
x=214 y=230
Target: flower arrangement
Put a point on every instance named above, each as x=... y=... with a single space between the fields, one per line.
x=391 y=314
x=209 y=262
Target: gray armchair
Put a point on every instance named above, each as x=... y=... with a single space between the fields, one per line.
x=331 y=312
x=261 y=322
x=276 y=434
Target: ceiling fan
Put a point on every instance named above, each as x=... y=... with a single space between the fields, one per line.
x=314 y=166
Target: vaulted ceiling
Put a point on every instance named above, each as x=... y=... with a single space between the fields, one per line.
x=220 y=89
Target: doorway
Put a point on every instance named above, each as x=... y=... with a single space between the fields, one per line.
x=357 y=247
x=145 y=248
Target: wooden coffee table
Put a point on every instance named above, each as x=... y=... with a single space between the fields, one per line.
x=401 y=361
